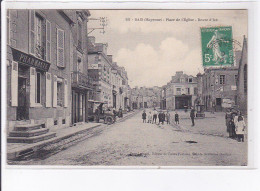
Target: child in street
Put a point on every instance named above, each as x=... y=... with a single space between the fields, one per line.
x=150 y=117
x=177 y=118
x=240 y=128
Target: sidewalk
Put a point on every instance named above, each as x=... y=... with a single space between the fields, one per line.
x=15 y=150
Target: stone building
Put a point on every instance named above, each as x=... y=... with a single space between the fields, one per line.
x=109 y=79
x=100 y=68
x=242 y=80
x=81 y=83
x=180 y=92
x=220 y=86
x=144 y=97
x=38 y=68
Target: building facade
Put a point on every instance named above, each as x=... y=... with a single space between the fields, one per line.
x=38 y=68
x=109 y=79
x=81 y=83
x=220 y=88
x=144 y=97
x=180 y=92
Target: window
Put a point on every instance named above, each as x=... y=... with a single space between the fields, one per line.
x=48 y=41
x=40 y=32
x=182 y=80
x=60 y=48
x=38 y=88
x=245 y=78
x=190 y=80
x=178 y=91
x=79 y=34
x=222 y=79
x=59 y=93
x=188 y=91
x=79 y=64
x=195 y=91
x=39 y=50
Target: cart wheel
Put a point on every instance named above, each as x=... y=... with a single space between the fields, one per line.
x=109 y=120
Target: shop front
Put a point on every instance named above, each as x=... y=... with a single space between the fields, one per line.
x=81 y=86
x=27 y=79
x=183 y=101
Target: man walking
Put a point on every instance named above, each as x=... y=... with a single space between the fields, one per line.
x=163 y=117
x=192 y=116
x=154 y=115
x=160 y=117
x=144 y=117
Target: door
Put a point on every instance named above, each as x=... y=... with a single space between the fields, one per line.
x=218 y=104
x=22 y=109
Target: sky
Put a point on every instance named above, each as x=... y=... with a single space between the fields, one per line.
x=152 y=52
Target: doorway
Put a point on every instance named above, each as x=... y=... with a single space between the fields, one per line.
x=22 y=110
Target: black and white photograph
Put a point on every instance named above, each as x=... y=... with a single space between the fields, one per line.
x=129 y=88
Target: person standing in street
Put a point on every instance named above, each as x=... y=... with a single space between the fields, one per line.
x=160 y=117
x=240 y=128
x=150 y=117
x=154 y=115
x=163 y=117
x=177 y=118
x=144 y=117
x=192 y=116
x=168 y=117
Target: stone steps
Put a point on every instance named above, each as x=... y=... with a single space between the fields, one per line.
x=34 y=139
x=27 y=127
x=31 y=133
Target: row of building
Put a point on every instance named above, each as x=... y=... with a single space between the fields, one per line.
x=55 y=71
x=144 y=97
x=215 y=89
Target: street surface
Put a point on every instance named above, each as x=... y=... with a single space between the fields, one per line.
x=134 y=143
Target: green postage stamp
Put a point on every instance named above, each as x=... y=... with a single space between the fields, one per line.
x=217 y=46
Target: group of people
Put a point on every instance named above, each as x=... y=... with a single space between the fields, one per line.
x=161 y=115
x=235 y=125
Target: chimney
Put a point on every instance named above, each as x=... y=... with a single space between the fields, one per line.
x=179 y=73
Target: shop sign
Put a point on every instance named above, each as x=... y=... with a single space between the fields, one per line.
x=30 y=60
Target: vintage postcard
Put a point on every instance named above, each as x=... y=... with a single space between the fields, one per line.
x=117 y=87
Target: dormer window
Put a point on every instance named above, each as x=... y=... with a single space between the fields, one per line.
x=190 y=80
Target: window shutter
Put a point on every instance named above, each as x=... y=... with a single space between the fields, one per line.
x=48 y=41
x=54 y=91
x=32 y=32
x=60 y=48
x=32 y=86
x=65 y=93
x=14 y=84
x=8 y=26
x=48 y=90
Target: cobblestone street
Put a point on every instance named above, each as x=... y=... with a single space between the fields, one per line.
x=135 y=143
